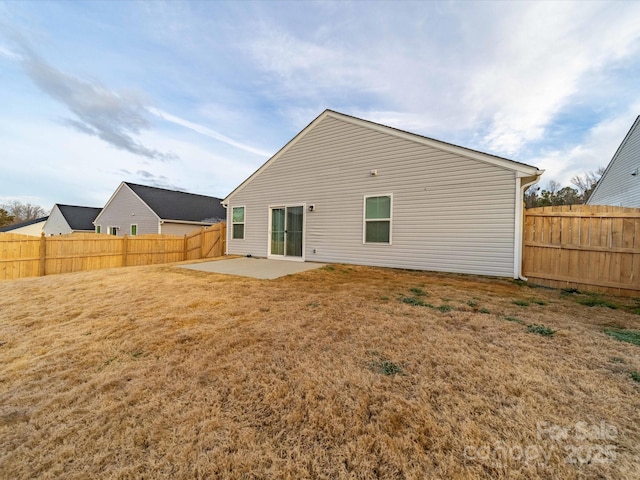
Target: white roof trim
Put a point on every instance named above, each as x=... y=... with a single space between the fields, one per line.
x=521 y=169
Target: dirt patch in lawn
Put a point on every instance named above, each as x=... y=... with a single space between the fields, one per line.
x=341 y=372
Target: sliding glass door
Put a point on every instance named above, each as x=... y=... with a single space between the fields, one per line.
x=287 y=231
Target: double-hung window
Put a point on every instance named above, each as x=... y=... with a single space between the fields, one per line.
x=237 y=222
x=377 y=219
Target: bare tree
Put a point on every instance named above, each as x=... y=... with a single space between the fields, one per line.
x=21 y=212
x=586 y=182
x=553 y=187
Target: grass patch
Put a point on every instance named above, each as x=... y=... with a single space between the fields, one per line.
x=384 y=366
x=629 y=336
x=513 y=319
x=595 y=301
x=635 y=375
x=484 y=310
x=540 y=330
x=444 y=308
x=415 y=301
x=538 y=302
x=418 y=292
x=472 y=303
x=521 y=303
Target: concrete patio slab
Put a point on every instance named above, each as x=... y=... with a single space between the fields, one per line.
x=254 y=267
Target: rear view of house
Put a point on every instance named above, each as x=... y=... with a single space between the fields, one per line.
x=65 y=219
x=620 y=182
x=139 y=209
x=347 y=190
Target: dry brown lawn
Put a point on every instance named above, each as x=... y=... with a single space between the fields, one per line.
x=161 y=372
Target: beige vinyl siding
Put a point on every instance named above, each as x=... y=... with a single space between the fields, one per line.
x=171 y=228
x=118 y=213
x=34 y=230
x=450 y=213
x=56 y=223
x=618 y=187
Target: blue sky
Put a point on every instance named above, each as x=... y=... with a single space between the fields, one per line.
x=197 y=95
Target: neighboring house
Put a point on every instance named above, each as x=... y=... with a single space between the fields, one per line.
x=29 y=227
x=347 y=190
x=65 y=219
x=138 y=209
x=620 y=182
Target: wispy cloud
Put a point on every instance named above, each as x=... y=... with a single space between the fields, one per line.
x=114 y=117
x=207 y=131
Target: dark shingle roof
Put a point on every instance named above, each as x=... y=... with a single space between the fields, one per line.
x=174 y=205
x=79 y=218
x=26 y=223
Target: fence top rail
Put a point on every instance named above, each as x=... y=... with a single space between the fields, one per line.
x=584 y=214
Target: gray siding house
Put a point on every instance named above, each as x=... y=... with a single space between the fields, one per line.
x=620 y=182
x=347 y=190
x=65 y=219
x=139 y=209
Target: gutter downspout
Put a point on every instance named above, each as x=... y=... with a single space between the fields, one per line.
x=518 y=247
x=226 y=219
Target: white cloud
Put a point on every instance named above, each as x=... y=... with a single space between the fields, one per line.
x=548 y=49
x=207 y=131
x=594 y=151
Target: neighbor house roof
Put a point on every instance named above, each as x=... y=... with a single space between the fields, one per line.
x=522 y=169
x=26 y=223
x=175 y=205
x=79 y=218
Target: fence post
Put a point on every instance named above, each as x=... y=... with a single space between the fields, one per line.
x=184 y=248
x=202 y=252
x=43 y=255
x=124 y=250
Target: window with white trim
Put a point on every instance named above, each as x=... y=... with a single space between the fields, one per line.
x=237 y=223
x=134 y=229
x=98 y=228
x=377 y=219
x=113 y=230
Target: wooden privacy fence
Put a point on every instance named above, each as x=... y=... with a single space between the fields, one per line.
x=594 y=248
x=26 y=256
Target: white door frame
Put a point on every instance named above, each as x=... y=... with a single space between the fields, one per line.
x=304 y=231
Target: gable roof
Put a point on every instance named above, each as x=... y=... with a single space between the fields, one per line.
x=175 y=205
x=635 y=125
x=79 y=218
x=522 y=169
x=26 y=223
